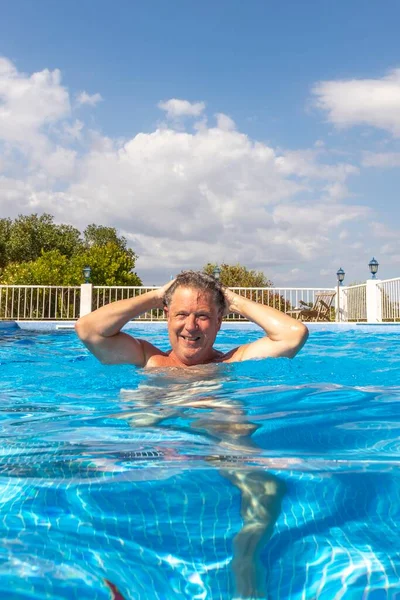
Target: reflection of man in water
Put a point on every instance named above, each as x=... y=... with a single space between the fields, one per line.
x=195 y=304
x=179 y=401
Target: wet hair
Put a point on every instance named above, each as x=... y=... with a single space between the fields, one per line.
x=198 y=281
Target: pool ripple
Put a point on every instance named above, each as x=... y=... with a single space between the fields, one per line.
x=150 y=481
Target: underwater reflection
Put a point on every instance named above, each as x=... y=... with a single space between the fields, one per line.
x=193 y=400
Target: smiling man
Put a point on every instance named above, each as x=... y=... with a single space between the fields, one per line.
x=195 y=304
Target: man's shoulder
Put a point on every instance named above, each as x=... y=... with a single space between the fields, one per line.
x=234 y=355
x=151 y=353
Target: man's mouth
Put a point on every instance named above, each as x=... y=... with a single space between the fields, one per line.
x=188 y=338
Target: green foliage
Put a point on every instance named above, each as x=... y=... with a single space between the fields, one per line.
x=48 y=269
x=110 y=266
x=36 y=251
x=239 y=276
x=29 y=235
x=98 y=235
x=5 y=230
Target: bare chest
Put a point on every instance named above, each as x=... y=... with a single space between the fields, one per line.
x=168 y=360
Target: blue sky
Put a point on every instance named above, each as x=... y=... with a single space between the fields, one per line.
x=259 y=132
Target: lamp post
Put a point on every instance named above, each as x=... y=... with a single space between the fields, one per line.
x=85 y=303
x=217 y=273
x=87 y=271
x=373 y=267
x=340 y=276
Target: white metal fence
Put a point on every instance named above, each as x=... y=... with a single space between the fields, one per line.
x=390 y=299
x=39 y=302
x=283 y=299
x=357 y=302
x=373 y=301
x=63 y=303
x=103 y=295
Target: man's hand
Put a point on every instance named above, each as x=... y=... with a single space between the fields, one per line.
x=285 y=336
x=230 y=301
x=160 y=293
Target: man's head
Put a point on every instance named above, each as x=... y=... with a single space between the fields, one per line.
x=198 y=281
x=195 y=305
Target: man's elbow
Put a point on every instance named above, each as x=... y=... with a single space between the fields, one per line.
x=299 y=338
x=302 y=334
x=83 y=331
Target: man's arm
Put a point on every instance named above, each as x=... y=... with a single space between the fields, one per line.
x=285 y=336
x=100 y=330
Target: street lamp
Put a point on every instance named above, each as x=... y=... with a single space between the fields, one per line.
x=340 y=276
x=87 y=271
x=217 y=273
x=373 y=267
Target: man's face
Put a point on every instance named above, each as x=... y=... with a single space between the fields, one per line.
x=193 y=323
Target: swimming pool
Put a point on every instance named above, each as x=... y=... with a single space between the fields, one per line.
x=272 y=478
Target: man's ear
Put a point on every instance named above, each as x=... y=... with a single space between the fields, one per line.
x=165 y=309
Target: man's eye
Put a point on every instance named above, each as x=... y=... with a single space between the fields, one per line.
x=203 y=317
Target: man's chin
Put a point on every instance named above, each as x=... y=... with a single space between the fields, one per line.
x=192 y=356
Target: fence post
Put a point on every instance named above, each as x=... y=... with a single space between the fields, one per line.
x=341 y=312
x=85 y=306
x=374 y=301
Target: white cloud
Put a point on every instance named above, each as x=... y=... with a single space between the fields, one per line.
x=380 y=230
x=182 y=198
x=306 y=164
x=224 y=122
x=29 y=103
x=382 y=160
x=175 y=108
x=75 y=130
x=374 y=102
x=91 y=100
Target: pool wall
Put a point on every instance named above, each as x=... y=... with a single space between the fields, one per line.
x=69 y=325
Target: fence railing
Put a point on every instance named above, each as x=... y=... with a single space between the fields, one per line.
x=390 y=299
x=283 y=299
x=39 y=302
x=103 y=295
x=19 y=302
x=374 y=301
x=357 y=302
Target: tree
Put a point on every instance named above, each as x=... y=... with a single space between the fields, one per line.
x=29 y=235
x=99 y=235
x=110 y=266
x=239 y=276
x=5 y=229
x=36 y=251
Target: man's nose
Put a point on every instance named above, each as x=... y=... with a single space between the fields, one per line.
x=191 y=322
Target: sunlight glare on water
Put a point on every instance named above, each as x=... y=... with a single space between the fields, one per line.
x=271 y=479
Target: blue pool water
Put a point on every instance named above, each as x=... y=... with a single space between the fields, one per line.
x=268 y=479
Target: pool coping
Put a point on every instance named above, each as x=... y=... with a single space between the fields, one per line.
x=313 y=326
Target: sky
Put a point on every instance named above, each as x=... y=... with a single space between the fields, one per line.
x=265 y=133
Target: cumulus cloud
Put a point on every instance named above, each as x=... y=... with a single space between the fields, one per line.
x=224 y=122
x=175 y=108
x=30 y=103
x=373 y=102
x=382 y=160
x=91 y=100
x=182 y=198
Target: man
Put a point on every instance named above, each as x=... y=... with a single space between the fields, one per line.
x=195 y=304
